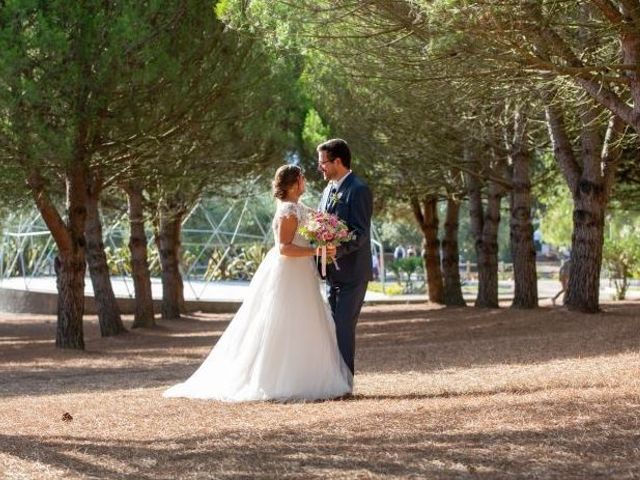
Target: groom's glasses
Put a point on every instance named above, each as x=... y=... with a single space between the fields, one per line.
x=322 y=163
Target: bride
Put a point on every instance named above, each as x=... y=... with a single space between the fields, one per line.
x=281 y=344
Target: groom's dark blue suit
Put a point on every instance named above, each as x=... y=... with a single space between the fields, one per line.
x=346 y=287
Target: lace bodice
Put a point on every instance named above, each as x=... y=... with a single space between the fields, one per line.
x=287 y=209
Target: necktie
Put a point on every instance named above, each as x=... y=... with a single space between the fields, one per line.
x=332 y=192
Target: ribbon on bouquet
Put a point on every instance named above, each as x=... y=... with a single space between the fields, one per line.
x=323 y=261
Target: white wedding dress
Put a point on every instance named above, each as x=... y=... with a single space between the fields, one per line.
x=281 y=344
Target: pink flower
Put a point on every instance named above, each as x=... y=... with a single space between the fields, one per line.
x=326 y=228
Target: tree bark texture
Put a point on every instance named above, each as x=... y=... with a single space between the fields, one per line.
x=426 y=214
x=144 y=314
x=589 y=181
x=484 y=226
x=451 y=256
x=106 y=303
x=70 y=261
x=168 y=242
x=523 y=251
x=487 y=250
x=587 y=241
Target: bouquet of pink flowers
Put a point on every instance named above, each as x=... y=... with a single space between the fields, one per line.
x=324 y=229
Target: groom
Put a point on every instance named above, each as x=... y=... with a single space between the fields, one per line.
x=350 y=199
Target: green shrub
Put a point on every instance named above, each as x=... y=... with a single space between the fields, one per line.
x=406 y=268
x=621 y=258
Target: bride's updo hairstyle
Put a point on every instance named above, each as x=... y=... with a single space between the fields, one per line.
x=286 y=177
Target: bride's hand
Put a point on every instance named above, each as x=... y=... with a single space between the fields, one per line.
x=331 y=251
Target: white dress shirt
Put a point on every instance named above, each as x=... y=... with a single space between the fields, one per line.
x=333 y=184
x=338 y=184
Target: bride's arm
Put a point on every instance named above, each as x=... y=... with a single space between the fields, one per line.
x=286 y=232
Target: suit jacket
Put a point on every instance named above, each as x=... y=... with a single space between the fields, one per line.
x=355 y=207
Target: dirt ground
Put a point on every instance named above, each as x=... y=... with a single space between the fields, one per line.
x=440 y=394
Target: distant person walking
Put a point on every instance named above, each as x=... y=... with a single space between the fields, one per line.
x=375 y=265
x=565 y=274
x=399 y=252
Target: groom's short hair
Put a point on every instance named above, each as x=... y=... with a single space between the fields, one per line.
x=337 y=148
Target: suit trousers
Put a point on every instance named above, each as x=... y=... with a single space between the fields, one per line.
x=346 y=300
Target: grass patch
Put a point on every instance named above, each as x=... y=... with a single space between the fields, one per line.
x=390 y=288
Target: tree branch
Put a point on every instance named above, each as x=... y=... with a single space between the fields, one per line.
x=49 y=213
x=631 y=8
x=610 y=100
x=417 y=211
x=611 y=151
x=609 y=10
x=562 y=149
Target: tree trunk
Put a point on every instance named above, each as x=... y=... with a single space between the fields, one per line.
x=431 y=249
x=427 y=217
x=590 y=197
x=590 y=181
x=106 y=303
x=487 y=251
x=523 y=252
x=476 y=220
x=143 y=316
x=168 y=242
x=70 y=270
x=451 y=257
x=586 y=248
x=70 y=266
x=70 y=262
x=484 y=226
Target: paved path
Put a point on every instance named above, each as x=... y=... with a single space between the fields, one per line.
x=235 y=291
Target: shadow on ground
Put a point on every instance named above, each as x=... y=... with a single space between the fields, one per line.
x=317 y=452
x=390 y=339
